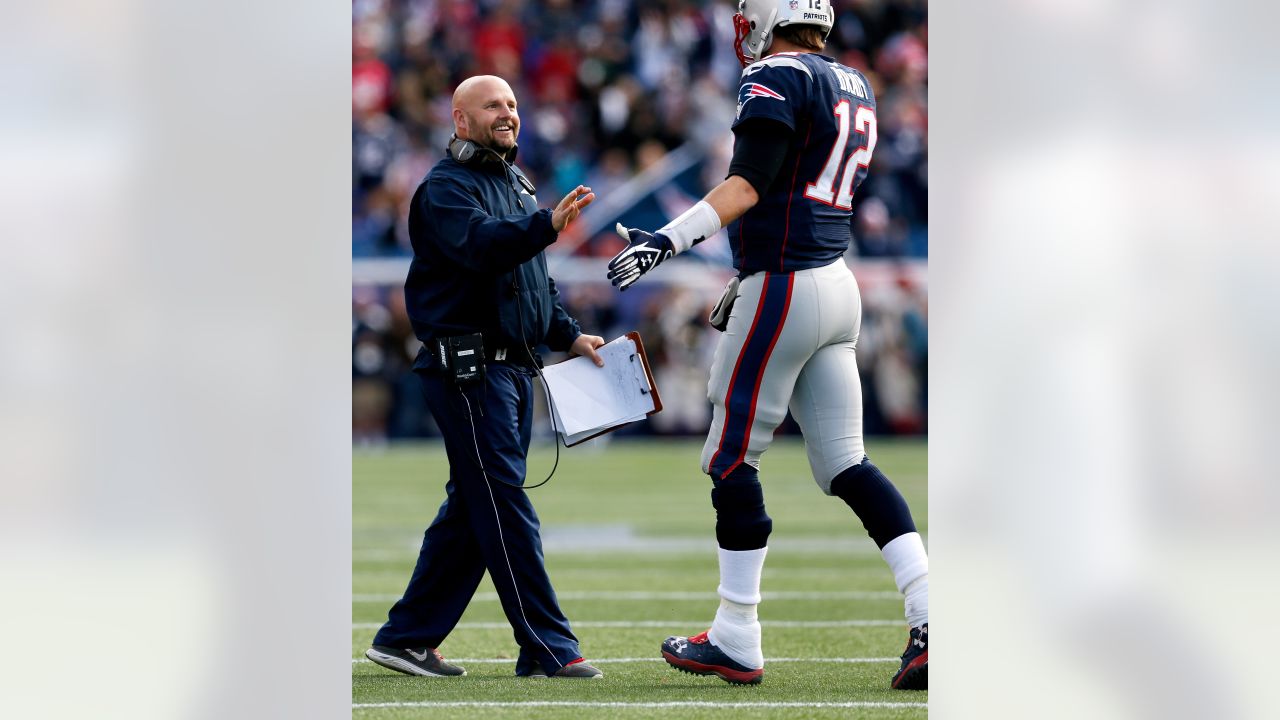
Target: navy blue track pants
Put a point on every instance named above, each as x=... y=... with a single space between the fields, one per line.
x=483 y=524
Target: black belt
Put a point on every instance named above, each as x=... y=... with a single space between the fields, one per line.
x=513 y=355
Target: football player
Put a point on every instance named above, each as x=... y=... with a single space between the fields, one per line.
x=804 y=135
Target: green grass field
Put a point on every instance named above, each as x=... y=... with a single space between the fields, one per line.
x=629 y=537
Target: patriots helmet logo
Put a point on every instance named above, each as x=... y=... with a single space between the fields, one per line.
x=752 y=90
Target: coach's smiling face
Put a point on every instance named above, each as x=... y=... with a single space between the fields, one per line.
x=484 y=111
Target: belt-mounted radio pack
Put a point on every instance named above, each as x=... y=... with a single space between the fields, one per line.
x=462 y=357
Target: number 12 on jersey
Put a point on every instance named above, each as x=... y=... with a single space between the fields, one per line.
x=823 y=190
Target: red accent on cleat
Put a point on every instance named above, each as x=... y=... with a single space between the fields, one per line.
x=906 y=671
x=750 y=677
x=700 y=638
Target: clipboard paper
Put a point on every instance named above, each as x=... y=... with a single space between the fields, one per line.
x=589 y=401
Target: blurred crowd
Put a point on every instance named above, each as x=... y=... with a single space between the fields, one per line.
x=606 y=90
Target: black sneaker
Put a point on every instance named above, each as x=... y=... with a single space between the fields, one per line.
x=914 y=673
x=427 y=662
x=575 y=669
x=699 y=656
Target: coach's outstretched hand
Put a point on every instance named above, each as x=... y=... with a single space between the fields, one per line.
x=571 y=206
x=644 y=252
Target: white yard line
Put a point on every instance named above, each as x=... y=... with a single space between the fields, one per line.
x=598 y=661
x=644 y=595
x=671 y=704
x=614 y=540
x=670 y=624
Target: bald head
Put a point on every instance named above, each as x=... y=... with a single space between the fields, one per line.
x=477 y=86
x=484 y=111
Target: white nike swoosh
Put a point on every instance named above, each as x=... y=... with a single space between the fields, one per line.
x=420 y=658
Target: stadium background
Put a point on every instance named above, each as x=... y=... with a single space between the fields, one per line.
x=635 y=99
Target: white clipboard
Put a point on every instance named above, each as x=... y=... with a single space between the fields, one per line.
x=589 y=401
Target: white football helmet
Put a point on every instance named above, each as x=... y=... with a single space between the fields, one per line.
x=756 y=20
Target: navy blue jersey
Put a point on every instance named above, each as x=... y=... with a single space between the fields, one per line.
x=803 y=220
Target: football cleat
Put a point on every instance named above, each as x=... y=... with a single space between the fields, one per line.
x=698 y=655
x=575 y=669
x=425 y=662
x=914 y=673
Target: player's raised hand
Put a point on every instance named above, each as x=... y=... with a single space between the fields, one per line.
x=570 y=206
x=644 y=252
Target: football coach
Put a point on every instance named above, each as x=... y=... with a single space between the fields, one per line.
x=481 y=302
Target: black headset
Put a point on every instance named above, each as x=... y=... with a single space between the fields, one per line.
x=468 y=152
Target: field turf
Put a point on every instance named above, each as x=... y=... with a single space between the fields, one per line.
x=628 y=532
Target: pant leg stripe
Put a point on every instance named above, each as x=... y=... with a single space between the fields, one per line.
x=775 y=301
x=764 y=364
x=502 y=540
x=733 y=379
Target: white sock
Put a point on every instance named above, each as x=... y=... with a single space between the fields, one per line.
x=740 y=575
x=736 y=630
x=917 y=601
x=910 y=565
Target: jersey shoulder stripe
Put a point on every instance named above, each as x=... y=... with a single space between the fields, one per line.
x=777 y=61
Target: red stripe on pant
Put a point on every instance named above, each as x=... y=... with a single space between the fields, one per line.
x=764 y=364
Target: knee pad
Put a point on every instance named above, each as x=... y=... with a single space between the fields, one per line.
x=741 y=522
x=877 y=503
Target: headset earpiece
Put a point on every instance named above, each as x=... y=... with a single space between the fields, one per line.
x=464 y=151
x=467 y=152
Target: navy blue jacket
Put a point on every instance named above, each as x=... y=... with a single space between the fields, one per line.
x=478 y=264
